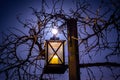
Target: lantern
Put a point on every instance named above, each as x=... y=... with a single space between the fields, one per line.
x=54 y=55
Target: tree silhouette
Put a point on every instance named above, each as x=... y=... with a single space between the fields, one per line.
x=99 y=40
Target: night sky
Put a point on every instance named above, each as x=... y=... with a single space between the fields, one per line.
x=9 y=9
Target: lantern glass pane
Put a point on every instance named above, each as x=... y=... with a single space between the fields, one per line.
x=60 y=53
x=55 y=58
x=50 y=52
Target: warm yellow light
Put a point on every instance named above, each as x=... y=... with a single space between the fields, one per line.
x=54 y=60
x=54 y=31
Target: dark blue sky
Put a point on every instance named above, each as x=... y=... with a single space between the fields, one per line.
x=9 y=9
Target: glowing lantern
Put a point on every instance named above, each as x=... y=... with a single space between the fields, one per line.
x=54 y=55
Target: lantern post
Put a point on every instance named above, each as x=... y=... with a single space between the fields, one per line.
x=54 y=53
x=73 y=53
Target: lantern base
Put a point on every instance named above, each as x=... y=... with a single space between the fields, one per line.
x=55 y=69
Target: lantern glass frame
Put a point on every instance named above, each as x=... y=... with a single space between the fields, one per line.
x=55 y=51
